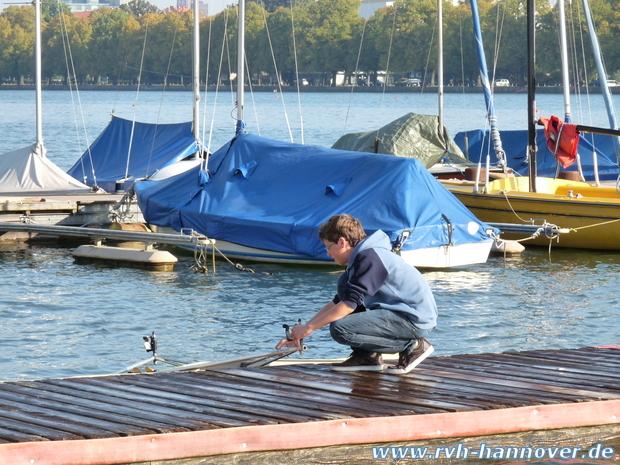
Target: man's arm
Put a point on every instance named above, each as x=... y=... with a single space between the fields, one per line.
x=329 y=313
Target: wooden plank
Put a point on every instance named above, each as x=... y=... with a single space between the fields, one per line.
x=446 y=388
x=398 y=387
x=605 y=361
x=252 y=405
x=166 y=416
x=277 y=377
x=33 y=432
x=10 y=436
x=173 y=399
x=596 y=357
x=556 y=379
x=507 y=380
x=322 y=406
x=329 y=400
x=160 y=405
x=29 y=410
x=101 y=410
x=553 y=372
x=551 y=364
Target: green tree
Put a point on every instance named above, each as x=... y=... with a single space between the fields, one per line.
x=109 y=50
x=169 y=47
x=52 y=8
x=460 y=54
x=6 y=46
x=20 y=42
x=331 y=33
x=65 y=46
x=139 y=8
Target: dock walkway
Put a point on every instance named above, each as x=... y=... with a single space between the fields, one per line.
x=177 y=416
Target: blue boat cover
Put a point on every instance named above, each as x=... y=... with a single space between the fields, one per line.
x=153 y=146
x=273 y=195
x=515 y=146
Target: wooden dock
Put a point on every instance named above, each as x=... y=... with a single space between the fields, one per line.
x=309 y=414
x=68 y=210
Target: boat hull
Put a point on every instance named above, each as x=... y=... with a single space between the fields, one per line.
x=435 y=257
x=591 y=214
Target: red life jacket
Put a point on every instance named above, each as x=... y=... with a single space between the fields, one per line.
x=562 y=139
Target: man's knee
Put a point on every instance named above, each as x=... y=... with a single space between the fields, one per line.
x=338 y=333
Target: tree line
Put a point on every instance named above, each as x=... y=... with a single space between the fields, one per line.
x=309 y=37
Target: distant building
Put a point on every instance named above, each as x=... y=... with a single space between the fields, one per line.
x=79 y=6
x=189 y=4
x=369 y=7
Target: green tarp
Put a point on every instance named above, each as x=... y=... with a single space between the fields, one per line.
x=411 y=136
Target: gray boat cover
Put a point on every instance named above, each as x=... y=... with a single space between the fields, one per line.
x=29 y=171
x=411 y=136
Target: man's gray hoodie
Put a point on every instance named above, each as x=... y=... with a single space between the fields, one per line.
x=377 y=278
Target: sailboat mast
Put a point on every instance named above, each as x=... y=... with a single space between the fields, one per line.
x=240 y=67
x=486 y=86
x=602 y=76
x=440 y=61
x=196 y=70
x=531 y=91
x=37 y=54
x=564 y=56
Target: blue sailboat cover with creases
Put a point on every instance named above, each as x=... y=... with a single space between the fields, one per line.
x=274 y=195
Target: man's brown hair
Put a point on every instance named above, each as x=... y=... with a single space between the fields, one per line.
x=342 y=225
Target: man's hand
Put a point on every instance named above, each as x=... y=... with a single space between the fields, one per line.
x=285 y=343
x=298 y=332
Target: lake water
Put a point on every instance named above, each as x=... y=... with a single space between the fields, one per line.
x=59 y=319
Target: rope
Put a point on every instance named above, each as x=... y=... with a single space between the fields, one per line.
x=200 y=257
x=594 y=225
x=513 y=210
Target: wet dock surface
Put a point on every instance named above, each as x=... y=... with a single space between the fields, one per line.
x=175 y=402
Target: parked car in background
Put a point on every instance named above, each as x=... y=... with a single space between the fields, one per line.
x=409 y=82
x=610 y=83
x=502 y=83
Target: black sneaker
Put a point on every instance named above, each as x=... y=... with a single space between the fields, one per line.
x=359 y=361
x=407 y=362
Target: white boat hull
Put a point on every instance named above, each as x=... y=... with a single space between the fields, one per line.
x=435 y=257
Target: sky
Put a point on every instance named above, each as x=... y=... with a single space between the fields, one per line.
x=215 y=6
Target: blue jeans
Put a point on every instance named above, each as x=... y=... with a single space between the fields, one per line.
x=382 y=331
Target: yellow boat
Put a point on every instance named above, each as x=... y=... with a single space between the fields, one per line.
x=591 y=214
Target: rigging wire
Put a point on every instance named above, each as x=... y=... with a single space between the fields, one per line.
x=71 y=72
x=428 y=55
x=275 y=66
x=135 y=106
x=499 y=25
x=217 y=87
x=247 y=70
x=356 y=73
x=161 y=102
x=389 y=56
x=301 y=119
x=205 y=161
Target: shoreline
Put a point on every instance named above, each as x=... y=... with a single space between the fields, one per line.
x=325 y=89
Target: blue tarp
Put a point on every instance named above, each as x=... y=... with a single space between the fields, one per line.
x=515 y=146
x=274 y=195
x=153 y=146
